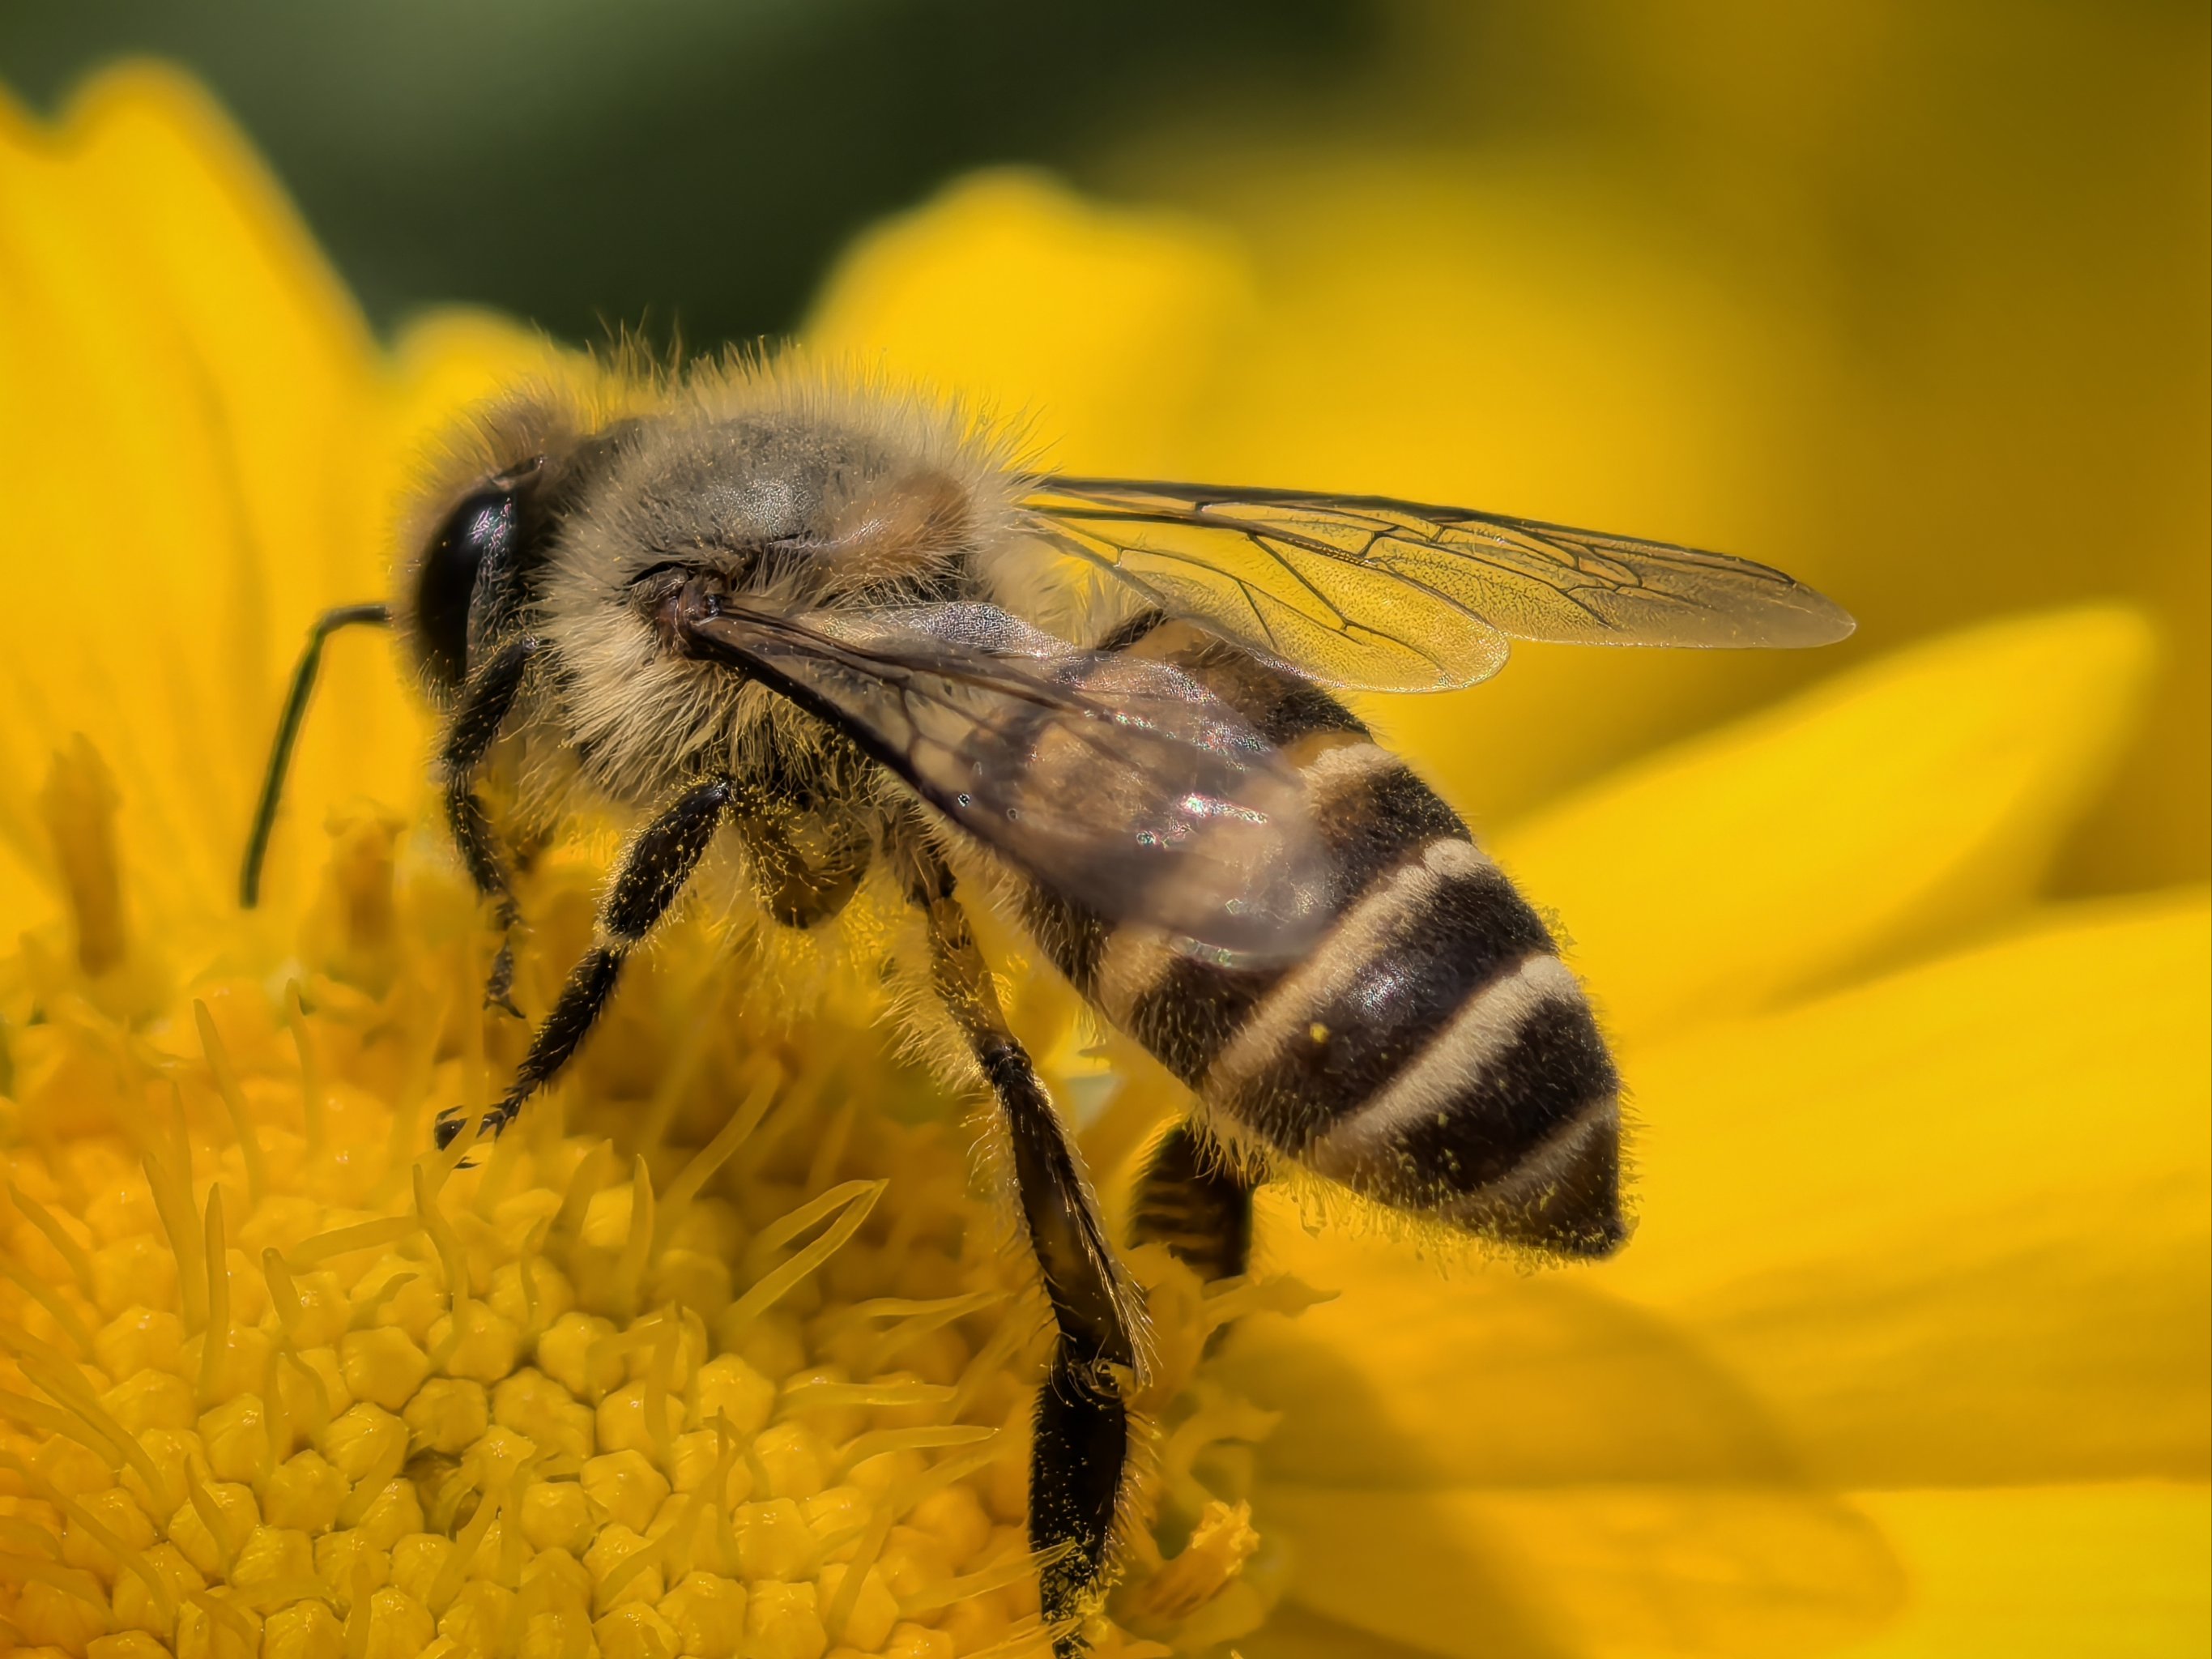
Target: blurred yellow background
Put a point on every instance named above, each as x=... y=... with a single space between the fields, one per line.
x=1911 y=300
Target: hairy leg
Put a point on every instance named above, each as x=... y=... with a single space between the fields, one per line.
x=483 y=708
x=652 y=871
x=1080 y=1458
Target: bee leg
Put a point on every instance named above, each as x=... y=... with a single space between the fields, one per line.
x=796 y=893
x=1081 y=1449
x=652 y=871
x=484 y=707
x=1192 y=1199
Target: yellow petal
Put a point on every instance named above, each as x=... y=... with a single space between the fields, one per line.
x=1100 y=327
x=1949 y=1227
x=1709 y=1572
x=2023 y=1572
x=1886 y=808
x=1953 y=1226
x=1492 y=1378
x=1293 y=1632
x=189 y=389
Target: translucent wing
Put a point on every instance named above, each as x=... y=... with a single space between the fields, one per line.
x=1386 y=595
x=1119 y=783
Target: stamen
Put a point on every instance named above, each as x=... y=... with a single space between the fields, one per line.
x=234 y=1101
x=630 y=1266
x=377 y=1235
x=858 y=1197
x=441 y=1235
x=219 y=1608
x=651 y=1436
x=709 y=1159
x=839 y=1611
x=1014 y=1569
x=589 y=1176
x=676 y=1082
x=829 y=1150
x=181 y=1219
x=310 y=1073
x=819 y=1394
x=448 y=1584
x=215 y=1343
x=70 y=1580
x=71 y=1252
x=128 y=1559
x=876 y=1442
x=71 y=1325
x=79 y=804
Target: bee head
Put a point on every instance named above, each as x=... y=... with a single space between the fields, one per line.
x=487 y=528
x=478 y=534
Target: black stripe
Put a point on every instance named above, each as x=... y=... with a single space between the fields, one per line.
x=1132 y=632
x=1339 y=1050
x=1301 y=707
x=1072 y=936
x=1187 y=1015
x=1378 y=823
x=1555 y=1066
x=1281 y=707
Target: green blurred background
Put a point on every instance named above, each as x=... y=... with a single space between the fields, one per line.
x=1925 y=284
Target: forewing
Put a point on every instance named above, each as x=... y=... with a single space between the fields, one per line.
x=1116 y=782
x=1387 y=595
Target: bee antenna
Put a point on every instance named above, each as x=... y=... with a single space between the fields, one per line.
x=288 y=734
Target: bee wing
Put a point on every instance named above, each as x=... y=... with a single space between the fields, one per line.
x=1364 y=592
x=1118 y=783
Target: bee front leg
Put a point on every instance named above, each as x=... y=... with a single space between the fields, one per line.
x=1080 y=1456
x=484 y=703
x=652 y=870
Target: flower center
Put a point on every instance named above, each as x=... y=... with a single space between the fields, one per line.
x=737 y=1363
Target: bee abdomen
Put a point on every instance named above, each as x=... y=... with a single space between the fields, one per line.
x=1432 y=1052
x=1436 y=1054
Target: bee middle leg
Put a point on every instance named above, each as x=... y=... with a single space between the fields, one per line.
x=796 y=893
x=1081 y=1455
x=652 y=871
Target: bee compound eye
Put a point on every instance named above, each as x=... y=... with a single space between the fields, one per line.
x=481 y=528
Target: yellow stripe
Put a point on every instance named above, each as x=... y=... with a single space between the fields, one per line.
x=1348 y=950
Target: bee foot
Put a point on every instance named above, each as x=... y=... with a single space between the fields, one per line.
x=501 y=983
x=455 y=1120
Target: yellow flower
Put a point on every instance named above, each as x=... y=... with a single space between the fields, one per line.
x=1911 y=1349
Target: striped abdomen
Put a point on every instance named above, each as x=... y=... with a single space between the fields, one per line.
x=1432 y=1052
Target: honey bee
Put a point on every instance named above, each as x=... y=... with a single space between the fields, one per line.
x=845 y=626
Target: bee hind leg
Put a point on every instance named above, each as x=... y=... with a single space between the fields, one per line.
x=1079 y=1460
x=654 y=870
x=1192 y=1198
